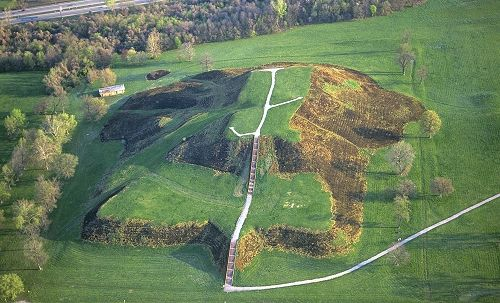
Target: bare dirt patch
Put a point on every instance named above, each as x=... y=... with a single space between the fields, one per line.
x=157 y=74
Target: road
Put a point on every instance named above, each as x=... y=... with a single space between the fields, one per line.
x=67 y=9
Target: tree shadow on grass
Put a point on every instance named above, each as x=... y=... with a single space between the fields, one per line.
x=461 y=240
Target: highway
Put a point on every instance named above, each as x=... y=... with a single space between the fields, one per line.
x=67 y=9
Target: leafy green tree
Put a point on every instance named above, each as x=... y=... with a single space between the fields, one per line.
x=4 y=192
x=15 y=123
x=45 y=149
x=400 y=157
x=47 y=192
x=401 y=209
x=34 y=251
x=94 y=108
x=64 y=166
x=8 y=175
x=11 y=286
x=28 y=217
x=153 y=46
x=110 y=3
x=430 y=123
x=280 y=8
x=2 y=217
x=373 y=10
x=60 y=127
x=442 y=186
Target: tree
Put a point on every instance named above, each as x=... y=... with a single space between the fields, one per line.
x=34 y=251
x=373 y=10
x=399 y=256
x=400 y=157
x=2 y=217
x=422 y=73
x=60 y=127
x=441 y=186
x=279 y=7
x=406 y=188
x=45 y=149
x=110 y=3
x=386 y=8
x=94 y=108
x=186 y=52
x=28 y=217
x=64 y=166
x=206 y=62
x=51 y=105
x=430 y=123
x=4 y=192
x=401 y=209
x=8 y=175
x=153 y=46
x=108 y=77
x=54 y=79
x=405 y=59
x=20 y=158
x=46 y=193
x=15 y=123
x=11 y=286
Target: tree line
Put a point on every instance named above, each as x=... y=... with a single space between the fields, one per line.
x=90 y=40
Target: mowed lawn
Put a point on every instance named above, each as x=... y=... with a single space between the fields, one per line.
x=457 y=41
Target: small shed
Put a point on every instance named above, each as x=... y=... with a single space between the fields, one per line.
x=112 y=90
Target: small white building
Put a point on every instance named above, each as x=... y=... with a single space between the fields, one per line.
x=112 y=90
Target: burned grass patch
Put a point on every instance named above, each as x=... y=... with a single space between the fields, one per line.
x=140 y=120
x=344 y=113
x=157 y=74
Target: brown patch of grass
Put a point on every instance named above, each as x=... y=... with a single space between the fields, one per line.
x=249 y=246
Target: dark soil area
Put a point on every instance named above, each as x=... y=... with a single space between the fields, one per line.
x=157 y=74
x=210 y=148
x=137 y=122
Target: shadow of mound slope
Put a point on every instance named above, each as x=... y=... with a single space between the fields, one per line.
x=210 y=148
x=147 y=115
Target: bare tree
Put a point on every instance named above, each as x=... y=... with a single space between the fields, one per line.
x=442 y=186
x=207 y=62
x=406 y=188
x=20 y=158
x=186 y=52
x=400 y=157
x=34 y=251
x=399 y=256
x=422 y=73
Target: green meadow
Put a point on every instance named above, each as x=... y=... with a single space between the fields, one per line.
x=457 y=40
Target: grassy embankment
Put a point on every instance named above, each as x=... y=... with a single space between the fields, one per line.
x=456 y=262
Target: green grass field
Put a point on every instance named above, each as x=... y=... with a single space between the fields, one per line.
x=457 y=40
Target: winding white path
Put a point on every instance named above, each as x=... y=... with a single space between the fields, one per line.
x=251 y=184
x=366 y=262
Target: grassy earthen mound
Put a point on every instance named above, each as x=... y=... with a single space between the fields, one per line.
x=157 y=74
x=344 y=112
